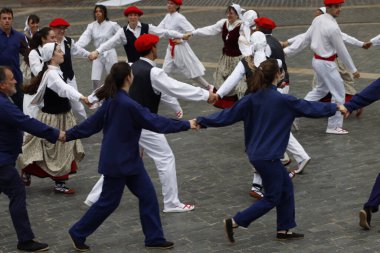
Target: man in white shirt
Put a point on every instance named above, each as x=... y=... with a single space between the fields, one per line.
x=325 y=39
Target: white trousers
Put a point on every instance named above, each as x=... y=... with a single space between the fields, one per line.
x=328 y=80
x=103 y=63
x=77 y=106
x=295 y=148
x=156 y=147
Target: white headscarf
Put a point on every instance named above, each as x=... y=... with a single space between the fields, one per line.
x=238 y=9
x=248 y=22
x=259 y=43
x=323 y=9
x=47 y=51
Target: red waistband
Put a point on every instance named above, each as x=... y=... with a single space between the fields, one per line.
x=171 y=43
x=331 y=58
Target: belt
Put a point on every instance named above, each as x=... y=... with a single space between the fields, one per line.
x=331 y=58
x=171 y=43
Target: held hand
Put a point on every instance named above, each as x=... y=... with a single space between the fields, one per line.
x=284 y=43
x=187 y=35
x=212 y=98
x=62 y=136
x=356 y=74
x=93 y=55
x=85 y=101
x=177 y=41
x=343 y=110
x=194 y=124
x=179 y=114
x=367 y=45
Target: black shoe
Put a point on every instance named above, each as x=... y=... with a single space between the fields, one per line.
x=78 y=246
x=228 y=229
x=162 y=245
x=365 y=216
x=289 y=236
x=32 y=246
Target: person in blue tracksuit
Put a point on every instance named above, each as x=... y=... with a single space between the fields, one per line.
x=266 y=138
x=122 y=120
x=12 y=124
x=366 y=97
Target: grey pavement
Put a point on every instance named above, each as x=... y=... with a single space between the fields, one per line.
x=212 y=169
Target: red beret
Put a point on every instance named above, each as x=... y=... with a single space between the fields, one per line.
x=133 y=9
x=177 y=2
x=59 y=22
x=265 y=23
x=145 y=42
x=330 y=2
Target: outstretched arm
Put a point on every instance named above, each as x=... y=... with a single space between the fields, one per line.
x=366 y=97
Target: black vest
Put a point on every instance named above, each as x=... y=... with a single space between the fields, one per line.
x=129 y=48
x=277 y=53
x=141 y=89
x=55 y=104
x=248 y=71
x=67 y=66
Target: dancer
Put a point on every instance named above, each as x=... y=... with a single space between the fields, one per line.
x=43 y=36
x=266 y=137
x=179 y=57
x=122 y=120
x=69 y=48
x=39 y=158
x=12 y=124
x=349 y=82
x=129 y=33
x=246 y=67
x=248 y=27
x=366 y=97
x=230 y=28
x=151 y=85
x=31 y=26
x=325 y=38
x=99 y=32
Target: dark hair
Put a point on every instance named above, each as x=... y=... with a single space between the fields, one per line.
x=114 y=80
x=145 y=53
x=230 y=8
x=103 y=9
x=36 y=81
x=263 y=30
x=37 y=38
x=6 y=10
x=263 y=76
x=3 y=77
x=34 y=18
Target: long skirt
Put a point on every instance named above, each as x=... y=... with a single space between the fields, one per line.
x=42 y=158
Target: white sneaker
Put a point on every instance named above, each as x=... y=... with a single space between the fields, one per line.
x=337 y=130
x=179 y=209
x=302 y=165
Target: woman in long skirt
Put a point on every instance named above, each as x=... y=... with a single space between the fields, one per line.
x=38 y=157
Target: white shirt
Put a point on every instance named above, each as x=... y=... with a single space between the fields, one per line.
x=376 y=40
x=75 y=49
x=164 y=84
x=233 y=79
x=35 y=62
x=119 y=37
x=296 y=41
x=98 y=33
x=177 y=22
x=325 y=39
x=216 y=28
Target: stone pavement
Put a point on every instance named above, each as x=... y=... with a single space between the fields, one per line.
x=212 y=169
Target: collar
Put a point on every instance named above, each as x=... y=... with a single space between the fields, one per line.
x=2 y=31
x=138 y=25
x=148 y=61
x=3 y=94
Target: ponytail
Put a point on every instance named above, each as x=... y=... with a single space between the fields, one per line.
x=114 y=80
x=35 y=82
x=263 y=76
x=37 y=38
